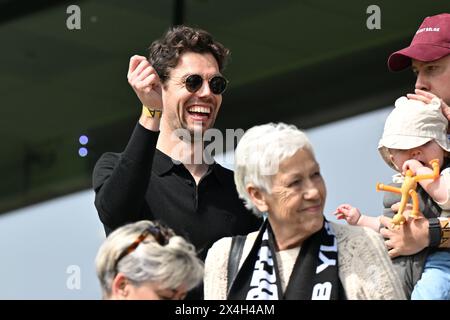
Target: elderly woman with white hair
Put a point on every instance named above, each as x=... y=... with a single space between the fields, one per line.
x=145 y=260
x=297 y=253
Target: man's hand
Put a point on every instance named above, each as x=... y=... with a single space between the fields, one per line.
x=406 y=239
x=144 y=80
x=426 y=97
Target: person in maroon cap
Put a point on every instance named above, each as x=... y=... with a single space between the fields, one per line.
x=429 y=57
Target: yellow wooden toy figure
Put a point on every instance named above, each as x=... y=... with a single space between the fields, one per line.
x=407 y=190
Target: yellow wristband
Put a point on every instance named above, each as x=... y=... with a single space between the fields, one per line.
x=151 y=113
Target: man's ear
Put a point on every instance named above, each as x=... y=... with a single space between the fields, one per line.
x=258 y=197
x=120 y=287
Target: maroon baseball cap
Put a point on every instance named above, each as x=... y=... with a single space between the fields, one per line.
x=431 y=42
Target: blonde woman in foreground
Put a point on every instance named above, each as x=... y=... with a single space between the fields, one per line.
x=144 y=260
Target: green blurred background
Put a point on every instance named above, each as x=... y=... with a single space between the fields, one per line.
x=304 y=61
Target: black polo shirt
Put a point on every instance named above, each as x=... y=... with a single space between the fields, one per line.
x=144 y=183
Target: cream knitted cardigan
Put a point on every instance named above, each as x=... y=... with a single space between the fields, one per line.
x=365 y=269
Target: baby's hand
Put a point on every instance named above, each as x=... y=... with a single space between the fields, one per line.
x=412 y=165
x=349 y=213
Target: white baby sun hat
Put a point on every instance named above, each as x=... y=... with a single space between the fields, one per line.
x=411 y=124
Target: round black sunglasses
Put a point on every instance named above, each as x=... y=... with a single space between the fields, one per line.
x=194 y=82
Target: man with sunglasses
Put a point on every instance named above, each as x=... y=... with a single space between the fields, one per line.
x=429 y=57
x=159 y=175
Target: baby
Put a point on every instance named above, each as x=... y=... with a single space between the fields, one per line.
x=414 y=134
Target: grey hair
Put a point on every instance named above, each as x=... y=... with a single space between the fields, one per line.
x=170 y=266
x=258 y=155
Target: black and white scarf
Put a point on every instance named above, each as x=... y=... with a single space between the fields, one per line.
x=314 y=275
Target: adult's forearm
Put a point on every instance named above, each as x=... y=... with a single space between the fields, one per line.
x=121 y=196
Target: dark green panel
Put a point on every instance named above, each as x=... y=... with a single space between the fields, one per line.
x=308 y=61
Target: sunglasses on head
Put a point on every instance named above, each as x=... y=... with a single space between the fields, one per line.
x=159 y=233
x=194 y=82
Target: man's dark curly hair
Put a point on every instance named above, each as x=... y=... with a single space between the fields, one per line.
x=165 y=53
